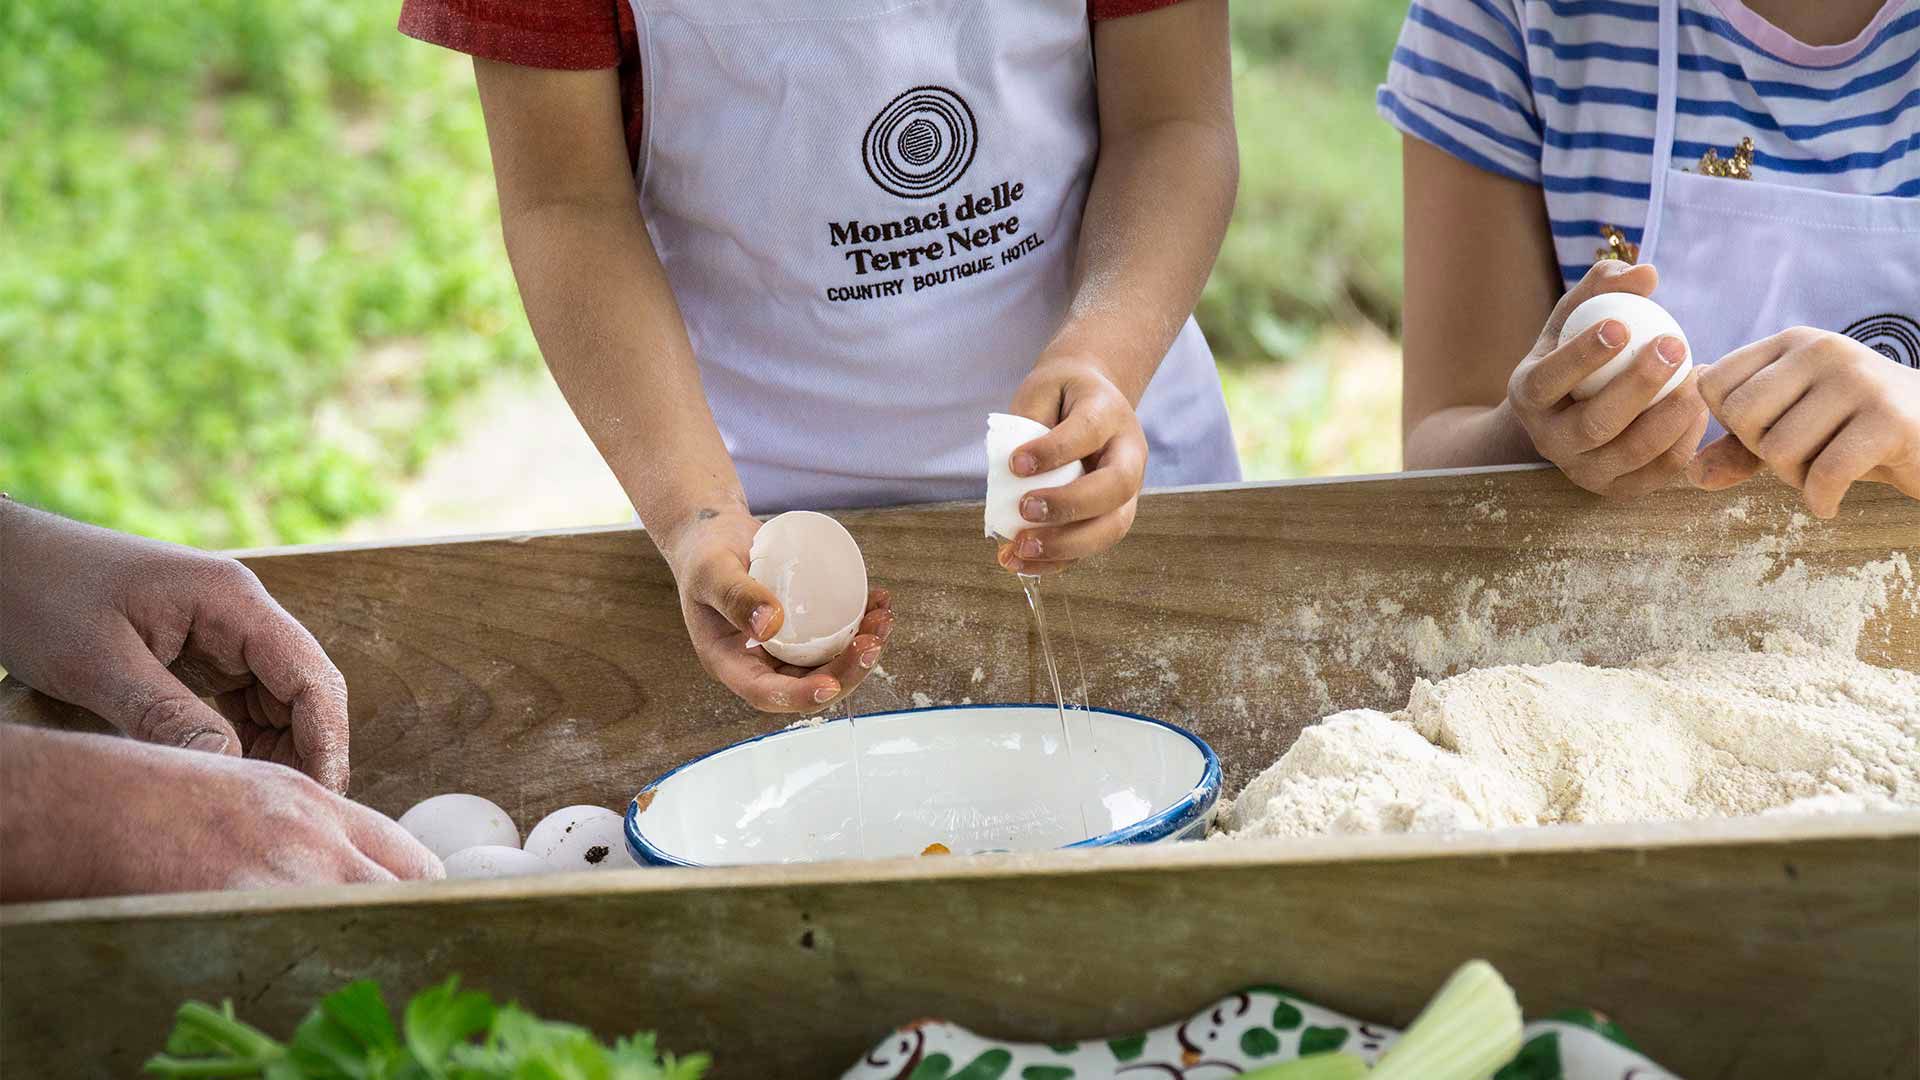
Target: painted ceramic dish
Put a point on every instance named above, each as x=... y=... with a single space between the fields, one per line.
x=1254 y=1028
x=970 y=779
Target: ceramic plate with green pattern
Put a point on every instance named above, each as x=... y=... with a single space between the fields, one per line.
x=1248 y=1030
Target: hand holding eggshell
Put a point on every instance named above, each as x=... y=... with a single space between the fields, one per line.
x=736 y=618
x=813 y=567
x=1611 y=402
x=1063 y=493
x=1005 y=434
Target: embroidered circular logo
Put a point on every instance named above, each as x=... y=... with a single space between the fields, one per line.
x=1896 y=337
x=920 y=143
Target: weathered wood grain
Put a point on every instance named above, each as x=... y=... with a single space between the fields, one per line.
x=552 y=669
x=1746 y=949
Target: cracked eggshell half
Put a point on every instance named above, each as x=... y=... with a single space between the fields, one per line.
x=1005 y=434
x=1644 y=320
x=814 y=568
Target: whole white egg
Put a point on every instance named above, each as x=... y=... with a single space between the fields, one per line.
x=582 y=838
x=1644 y=320
x=494 y=861
x=449 y=823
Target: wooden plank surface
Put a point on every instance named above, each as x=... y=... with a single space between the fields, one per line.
x=552 y=669
x=546 y=670
x=1739 y=949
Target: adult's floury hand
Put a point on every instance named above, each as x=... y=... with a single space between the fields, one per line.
x=139 y=632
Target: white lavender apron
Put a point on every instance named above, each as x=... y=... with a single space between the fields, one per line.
x=1742 y=260
x=868 y=211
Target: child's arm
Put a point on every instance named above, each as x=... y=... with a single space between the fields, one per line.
x=1818 y=408
x=607 y=323
x=1485 y=380
x=1161 y=196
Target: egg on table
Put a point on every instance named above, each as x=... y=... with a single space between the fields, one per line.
x=1644 y=320
x=582 y=838
x=446 y=824
x=494 y=861
x=815 y=569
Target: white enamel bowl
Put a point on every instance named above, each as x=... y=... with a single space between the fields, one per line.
x=974 y=778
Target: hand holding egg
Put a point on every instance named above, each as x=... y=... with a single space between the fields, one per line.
x=740 y=622
x=1608 y=393
x=1645 y=322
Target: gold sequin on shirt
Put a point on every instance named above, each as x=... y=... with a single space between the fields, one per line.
x=1737 y=167
x=1617 y=247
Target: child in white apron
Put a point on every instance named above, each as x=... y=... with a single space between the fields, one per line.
x=1769 y=170
x=848 y=230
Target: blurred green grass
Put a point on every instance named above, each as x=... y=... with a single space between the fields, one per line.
x=250 y=261
x=1304 y=304
x=1315 y=239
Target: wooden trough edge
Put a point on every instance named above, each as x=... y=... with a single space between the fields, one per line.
x=1504 y=844
x=512 y=535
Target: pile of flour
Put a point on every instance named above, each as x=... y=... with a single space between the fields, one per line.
x=1685 y=736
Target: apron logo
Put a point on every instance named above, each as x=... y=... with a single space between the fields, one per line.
x=1895 y=337
x=920 y=143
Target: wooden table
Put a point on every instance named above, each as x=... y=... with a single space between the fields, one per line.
x=542 y=670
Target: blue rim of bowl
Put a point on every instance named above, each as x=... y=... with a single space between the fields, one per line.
x=1188 y=809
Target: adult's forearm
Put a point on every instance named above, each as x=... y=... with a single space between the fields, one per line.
x=43 y=852
x=19 y=528
x=612 y=335
x=1155 y=216
x=1468 y=435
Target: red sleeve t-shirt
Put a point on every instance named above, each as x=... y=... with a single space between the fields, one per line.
x=581 y=34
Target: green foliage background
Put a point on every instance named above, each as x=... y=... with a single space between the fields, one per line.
x=1315 y=238
x=250 y=256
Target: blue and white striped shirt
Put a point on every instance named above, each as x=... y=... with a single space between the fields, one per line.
x=1561 y=94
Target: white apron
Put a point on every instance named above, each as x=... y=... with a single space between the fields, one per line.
x=1742 y=260
x=868 y=211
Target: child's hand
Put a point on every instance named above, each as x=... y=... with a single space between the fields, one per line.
x=1820 y=409
x=1611 y=443
x=724 y=607
x=1092 y=422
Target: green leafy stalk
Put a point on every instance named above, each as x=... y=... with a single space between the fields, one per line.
x=1469 y=1029
x=350 y=1035
x=1328 y=1066
x=210 y=1042
x=441 y=1018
